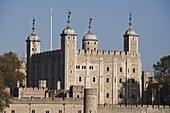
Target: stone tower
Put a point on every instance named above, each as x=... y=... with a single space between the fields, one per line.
x=68 y=48
x=131 y=40
x=33 y=47
x=90 y=100
x=90 y=41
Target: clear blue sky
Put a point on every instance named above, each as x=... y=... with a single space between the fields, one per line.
x=151 y=20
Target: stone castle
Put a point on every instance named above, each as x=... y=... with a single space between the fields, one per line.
x=87 y=80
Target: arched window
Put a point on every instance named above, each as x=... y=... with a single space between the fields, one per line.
x=107 y=95
x=121 y=96
x=133 y=81
x=107 y=69
x=80 y=79
x=133 y=70
x=120 y=80
x=77 y=96
x=94 y=79
x=121 y=69
x=88 y=43
x=107 y=80
x=133 y=96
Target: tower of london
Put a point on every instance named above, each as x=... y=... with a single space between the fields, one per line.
x=85 y=80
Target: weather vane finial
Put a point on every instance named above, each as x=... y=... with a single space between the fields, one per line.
x=130 y=18
x=68 y=21
x=90 y=19
x=33 y=28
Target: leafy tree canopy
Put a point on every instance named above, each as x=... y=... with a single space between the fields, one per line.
x=9 y=75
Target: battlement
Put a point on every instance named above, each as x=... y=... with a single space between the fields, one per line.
x=32 y=89
x=91 y=91
x=42 y=100
x=46 y=53
x=100 y=52
x=155 y=107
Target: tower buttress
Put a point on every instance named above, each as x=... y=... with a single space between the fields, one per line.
x=69 y=49
x=130 y=39
x=33 y=47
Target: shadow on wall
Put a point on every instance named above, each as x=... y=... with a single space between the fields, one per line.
x=128 y=91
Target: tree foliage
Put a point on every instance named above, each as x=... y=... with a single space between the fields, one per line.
x=9 y=75
x=162 y=79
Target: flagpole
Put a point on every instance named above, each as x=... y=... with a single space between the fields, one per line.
x=51 y=30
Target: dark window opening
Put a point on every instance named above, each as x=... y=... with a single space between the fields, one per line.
x=60 y=111
x=12 y=111
x=107 y=80
x=133 y=81
x=133 y=96
x=107 y=69
x=79 y=79
x=94 y=43
x=79 y=111
x=120 y=69
x=107 y=95
x=94 y=79
x=133 y=70
x=88 y=43
x=121 y=96
x=120 y=80
x=77 y=96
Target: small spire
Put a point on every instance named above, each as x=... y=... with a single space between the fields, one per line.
x=90 y=19
x=68 y=21
x=130 y=18
x=33 y=28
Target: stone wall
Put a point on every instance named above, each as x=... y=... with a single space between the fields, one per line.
x=132 y=109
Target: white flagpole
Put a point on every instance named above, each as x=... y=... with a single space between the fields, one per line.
x=51 y=30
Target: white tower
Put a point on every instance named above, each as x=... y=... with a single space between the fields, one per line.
x=33 y=47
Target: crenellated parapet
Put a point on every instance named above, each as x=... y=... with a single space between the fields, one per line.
x=125 y=107
x=47 y=53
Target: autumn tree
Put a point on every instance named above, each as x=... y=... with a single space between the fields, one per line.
x=9 y=75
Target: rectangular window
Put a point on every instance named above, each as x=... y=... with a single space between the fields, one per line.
x=77 y=67
x=107 y=69
x=12 y=111
x=79 y=111
x=91 y=67
x=120 y=69
x=84 y=67
x=133 y=70
x=60 y=111
x=33 y=111
x=47 y=111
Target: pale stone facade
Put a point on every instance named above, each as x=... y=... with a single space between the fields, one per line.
x=116 y=75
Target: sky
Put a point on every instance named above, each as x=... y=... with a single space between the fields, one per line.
x=150 y=19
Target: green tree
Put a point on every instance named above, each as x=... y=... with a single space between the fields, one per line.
x=9 y=75
x=4 y=96
x=162 y=79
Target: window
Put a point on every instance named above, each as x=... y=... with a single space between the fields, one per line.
x=133 y=81
x=133 y=70
x=12 y=111
x=88 y=43
x=107 y=69
x=94 y=79
x=94 y=43
x=4 y=111
x=73 y=37
x=120 y=80
x=79 y=79
x=47 y=111
x=133 y=96
x=83 y=67
x=94 y=48
x=133 y=38
x=90 y=67
x=77 y=67
x=71 y=71
x=77 y=96
x=121 y=95
x=68 y=37
x=88 y=48
x=120 y=69
x=79 y=111
x=90 y=111
x=107 y=80
x=107 y=95
x=33 y=111
x=60 y=111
